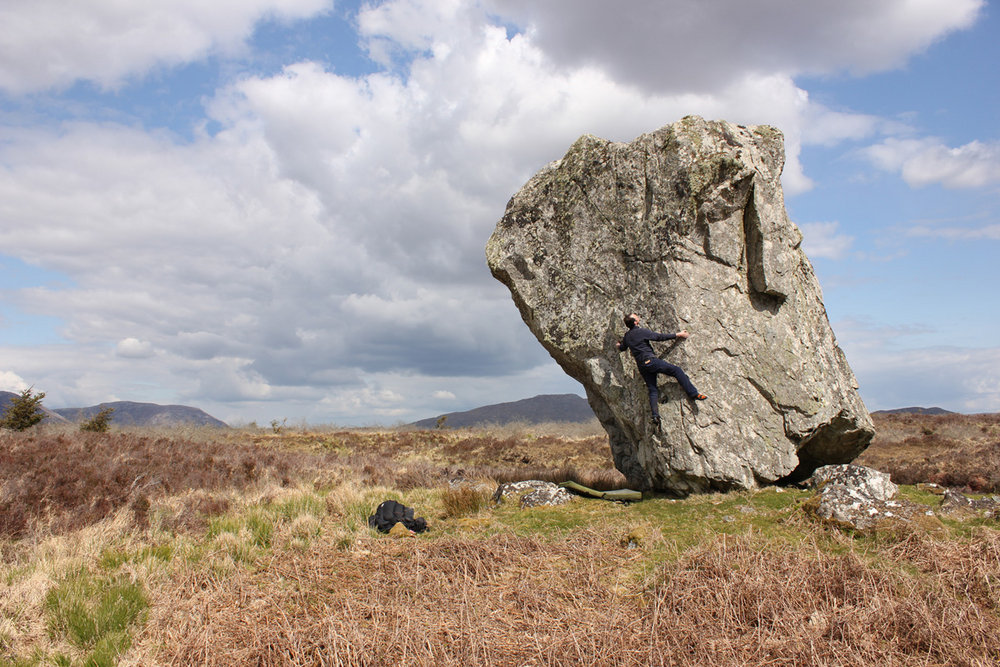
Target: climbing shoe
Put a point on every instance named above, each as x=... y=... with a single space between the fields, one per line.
x=699 y=397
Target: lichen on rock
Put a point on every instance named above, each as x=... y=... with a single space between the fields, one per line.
x=686 y=226
x=532 y=493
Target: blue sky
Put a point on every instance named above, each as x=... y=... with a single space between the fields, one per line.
x=277 y=208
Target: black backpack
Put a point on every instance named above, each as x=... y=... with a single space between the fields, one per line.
x=390 y=513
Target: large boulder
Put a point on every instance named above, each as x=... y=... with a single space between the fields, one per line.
x=687 y=227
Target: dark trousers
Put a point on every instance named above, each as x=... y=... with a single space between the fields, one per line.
x=649 y=370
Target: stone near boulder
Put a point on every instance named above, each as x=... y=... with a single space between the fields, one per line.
x=532 y=493
x=867 y=484
x=955 y=503
x=862 y=499
x=687 y=227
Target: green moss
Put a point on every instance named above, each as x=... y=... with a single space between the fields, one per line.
x=550 y=522
x=912 y=493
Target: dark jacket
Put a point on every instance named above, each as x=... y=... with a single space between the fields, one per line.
x=637 y=341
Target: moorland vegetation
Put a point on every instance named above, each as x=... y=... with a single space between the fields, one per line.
x=250 y=546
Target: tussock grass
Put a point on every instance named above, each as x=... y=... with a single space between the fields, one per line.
x=94 y=612
x=464 y=500
x=253 y=548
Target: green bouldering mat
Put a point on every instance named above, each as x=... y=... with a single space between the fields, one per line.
x=627 y=495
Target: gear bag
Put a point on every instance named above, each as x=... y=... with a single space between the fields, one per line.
x=389 y=513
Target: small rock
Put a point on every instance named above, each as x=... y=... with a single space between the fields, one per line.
x=549 y=496
x=957 y=503
x=399 y=530
x=637 y=537
x=865 y=482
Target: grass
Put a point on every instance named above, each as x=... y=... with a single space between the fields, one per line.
x=252 y=547
x=94 y=613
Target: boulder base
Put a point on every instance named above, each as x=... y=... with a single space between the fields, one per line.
x=687 y=227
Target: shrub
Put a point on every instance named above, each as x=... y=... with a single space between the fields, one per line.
x=99 y=423
x=24 y=411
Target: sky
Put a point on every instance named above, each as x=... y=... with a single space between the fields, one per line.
x=277 y=209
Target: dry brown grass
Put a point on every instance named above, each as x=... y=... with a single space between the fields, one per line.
x=252 y=548
x=961 y=451
x=509 y=600
x=732 y=602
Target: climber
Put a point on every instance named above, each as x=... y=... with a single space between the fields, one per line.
x=636 y=340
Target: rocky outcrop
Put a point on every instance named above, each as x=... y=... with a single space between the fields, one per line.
x=687 y=227
x=864 y=500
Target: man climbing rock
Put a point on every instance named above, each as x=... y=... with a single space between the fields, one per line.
x=636 y=341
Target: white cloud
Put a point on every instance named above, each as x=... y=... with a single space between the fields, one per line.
x=443 y=395
x=820 y=239
x=925 y=161
x=896 y=368
x=991 y=232
x=52 y=43
x=12 y=382
x=133 y=348
x=685 y=45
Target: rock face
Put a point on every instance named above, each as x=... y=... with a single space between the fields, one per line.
x=687 y=227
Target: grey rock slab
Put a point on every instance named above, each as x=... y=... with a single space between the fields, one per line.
x=686 y=226
x=532 y=493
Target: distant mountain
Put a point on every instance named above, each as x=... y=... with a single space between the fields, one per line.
x=129 y=413
x=536 y=410
x=914 y=411
x=126 y=413
x=50 y=415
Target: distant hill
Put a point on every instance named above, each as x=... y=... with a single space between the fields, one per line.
x=126 y=413
x=50 y=415
x=129 y=413
x=536 y=410
x=914 y=411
